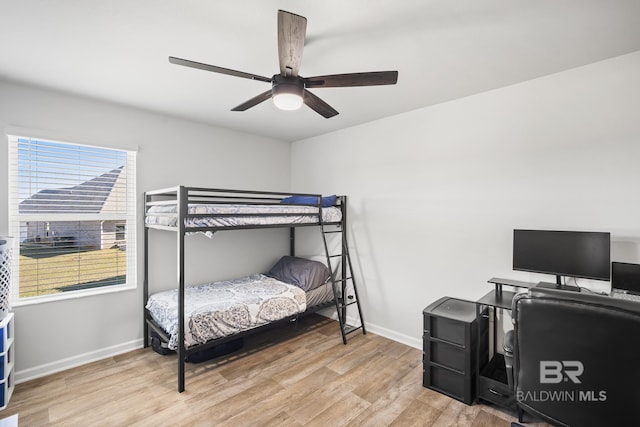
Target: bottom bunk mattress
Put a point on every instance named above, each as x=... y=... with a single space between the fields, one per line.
x=220 y=309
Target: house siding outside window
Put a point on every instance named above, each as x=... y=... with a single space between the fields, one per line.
x=72 y=209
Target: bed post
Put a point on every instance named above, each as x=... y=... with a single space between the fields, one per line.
x=181 y=198
x=292 y=241
x=145 y=283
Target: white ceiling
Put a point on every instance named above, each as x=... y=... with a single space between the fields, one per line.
x=446 y=49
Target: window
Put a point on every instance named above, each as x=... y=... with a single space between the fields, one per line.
x=120 y=232
x=72 y=208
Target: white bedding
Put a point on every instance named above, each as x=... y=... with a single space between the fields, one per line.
x=264 y=215
x=219 y=309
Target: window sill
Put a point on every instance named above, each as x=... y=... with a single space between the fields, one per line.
x=70 y=295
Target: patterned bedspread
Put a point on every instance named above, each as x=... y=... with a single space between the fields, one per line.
x=219 y=309
x=264 y=215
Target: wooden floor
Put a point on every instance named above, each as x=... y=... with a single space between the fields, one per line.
x=291 y=376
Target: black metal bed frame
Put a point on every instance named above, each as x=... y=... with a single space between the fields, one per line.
x=182 y=197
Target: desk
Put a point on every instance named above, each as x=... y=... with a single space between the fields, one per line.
x=492 y=377
x=498 y=283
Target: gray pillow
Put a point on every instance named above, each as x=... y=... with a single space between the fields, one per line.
x=301 y=272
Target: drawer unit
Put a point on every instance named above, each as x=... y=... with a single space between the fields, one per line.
x=449 y=347
x=6 y=360
x=6 y=390
x=6 y=332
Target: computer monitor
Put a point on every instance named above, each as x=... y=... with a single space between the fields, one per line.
x=563 y=253
x=625 y=277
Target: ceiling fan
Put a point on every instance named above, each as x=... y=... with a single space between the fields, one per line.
x=289 y=89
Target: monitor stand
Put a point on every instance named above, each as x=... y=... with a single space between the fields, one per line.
x=558 y=285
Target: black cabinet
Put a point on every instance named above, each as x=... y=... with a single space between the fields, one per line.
x=450 y=339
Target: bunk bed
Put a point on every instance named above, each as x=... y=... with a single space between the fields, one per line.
x=187 y=210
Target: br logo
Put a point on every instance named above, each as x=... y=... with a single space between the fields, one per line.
x=556 y=371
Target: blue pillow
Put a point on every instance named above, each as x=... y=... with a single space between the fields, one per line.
x=327 y=201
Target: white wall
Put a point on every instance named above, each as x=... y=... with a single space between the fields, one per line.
x=436 y=193
x=56 y=335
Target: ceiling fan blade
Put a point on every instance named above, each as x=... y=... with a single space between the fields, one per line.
x=318 y=105
x=374 y=78
x=253 y=101
x=292 y=29
x=207 y=67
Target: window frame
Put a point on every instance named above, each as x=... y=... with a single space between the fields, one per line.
x=15 y=218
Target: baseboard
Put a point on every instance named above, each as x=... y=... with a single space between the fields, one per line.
x=378 y=330
x=72 y=362
x=395 y=336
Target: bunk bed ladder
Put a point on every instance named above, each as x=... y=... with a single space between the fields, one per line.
x=345 y=296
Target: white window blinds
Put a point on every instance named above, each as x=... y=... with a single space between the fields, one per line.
x=73 y=219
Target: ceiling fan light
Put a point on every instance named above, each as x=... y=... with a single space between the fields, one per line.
x=287 y=92
x=287 y=101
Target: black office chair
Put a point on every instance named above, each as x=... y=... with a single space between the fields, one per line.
x=573 y=358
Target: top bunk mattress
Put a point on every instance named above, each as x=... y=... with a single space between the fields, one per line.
x=235 y=215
